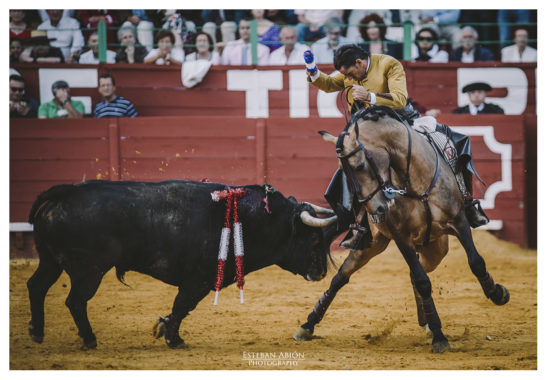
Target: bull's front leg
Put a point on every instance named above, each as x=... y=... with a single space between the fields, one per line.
x=185 y=301
x=354 y=261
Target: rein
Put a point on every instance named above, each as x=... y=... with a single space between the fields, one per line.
x=389 y=191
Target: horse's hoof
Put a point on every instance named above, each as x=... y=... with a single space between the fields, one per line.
x=159 y=328
x=89 y=344
x=36 y=338
x=176 y=344
x=501 y=295
x=302 y=334
x=441 y=346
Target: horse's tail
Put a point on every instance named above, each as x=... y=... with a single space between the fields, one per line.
x=54 y=193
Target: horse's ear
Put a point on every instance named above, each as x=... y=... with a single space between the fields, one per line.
x=328 y=137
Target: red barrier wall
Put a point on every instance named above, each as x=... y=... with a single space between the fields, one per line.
x=287 y=153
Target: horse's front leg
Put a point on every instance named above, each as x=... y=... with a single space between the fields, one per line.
x=354 y=261
x=497 y=293
x=423 y=286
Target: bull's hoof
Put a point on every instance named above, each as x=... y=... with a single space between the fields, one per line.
x=35 y=335
x=303 y=334
x=501 y=295
x=177 y=343
x=159 y=328
x=441 y=346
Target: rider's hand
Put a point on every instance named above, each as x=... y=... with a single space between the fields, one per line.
x=311 y=67
x=360 y=93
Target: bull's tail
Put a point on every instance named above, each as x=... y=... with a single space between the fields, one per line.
x=52 y=194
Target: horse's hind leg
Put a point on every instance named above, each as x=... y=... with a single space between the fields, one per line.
x=44 y=277
x=430 y=257
x=354 y=261
x=497 y=293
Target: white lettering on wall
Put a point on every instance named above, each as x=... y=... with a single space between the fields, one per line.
x=512 y=78
x=299 y=94
x=505 y=150
x=256 y=85
x=82 y=78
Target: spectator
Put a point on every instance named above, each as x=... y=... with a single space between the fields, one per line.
x=204 y=50
x=470 y=51
x=311 y=21
x=484 y=21
x=268 y=32
x=477 y=95
x=91 y=57
x=520 y=51
x=18 y=28
x=42 y=13
x=65 y=31
x=226 y=20
x=354 y=22
x=19 y=104
x=508 y=16
x=91 y=18
x=291 y=53
x=375 y=37
x=445 y=20
x=40 y=49
x=183 y=29
x=239 y=52
x=62 y=106
x=324 y=48
x=165 y=53
x=112 y=104
x=425 y=48
x=138 y=18
x=15 y=50
x=130 y=51
x=282 y=16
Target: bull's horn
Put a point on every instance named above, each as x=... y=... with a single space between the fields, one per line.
x=312 y=221
x=319 y=209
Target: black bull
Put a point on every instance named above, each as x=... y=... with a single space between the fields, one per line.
x=168 y=230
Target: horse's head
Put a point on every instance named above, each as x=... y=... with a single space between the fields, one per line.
x=366 y=164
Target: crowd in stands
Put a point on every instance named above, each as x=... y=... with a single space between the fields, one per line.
x=172 y=37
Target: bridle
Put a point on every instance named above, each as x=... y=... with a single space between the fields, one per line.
x=385 y=186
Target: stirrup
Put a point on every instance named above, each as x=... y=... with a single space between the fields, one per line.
x=475 y=215
x=355 y=238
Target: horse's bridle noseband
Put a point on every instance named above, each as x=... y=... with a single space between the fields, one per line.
x=388 y=189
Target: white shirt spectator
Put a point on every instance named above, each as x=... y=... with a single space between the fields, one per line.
x=317 y=16
x=214 y=57
x=511 y=54
x=437 y=55
x=67 y=34
x=278 y=56
x=323 y=52
x=89 y=59
x=234 y=51
x=176 y=53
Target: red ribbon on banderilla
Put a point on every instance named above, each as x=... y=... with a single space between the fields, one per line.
x=232 y=197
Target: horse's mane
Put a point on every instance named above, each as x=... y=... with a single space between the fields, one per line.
x=373 y=113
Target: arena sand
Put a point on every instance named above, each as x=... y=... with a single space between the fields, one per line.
x=370 y=325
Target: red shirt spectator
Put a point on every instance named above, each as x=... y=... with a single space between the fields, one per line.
x=18 y=28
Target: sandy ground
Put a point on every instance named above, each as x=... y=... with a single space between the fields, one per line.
x=370 y=325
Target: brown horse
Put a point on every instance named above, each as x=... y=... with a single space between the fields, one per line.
x=383 y=157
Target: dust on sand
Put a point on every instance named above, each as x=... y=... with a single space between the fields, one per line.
x=370 y=325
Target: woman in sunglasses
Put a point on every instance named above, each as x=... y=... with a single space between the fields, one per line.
x=426 y=49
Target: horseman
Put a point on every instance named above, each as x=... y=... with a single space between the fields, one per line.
x=378 y=79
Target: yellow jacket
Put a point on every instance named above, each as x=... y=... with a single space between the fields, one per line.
x=385 y=75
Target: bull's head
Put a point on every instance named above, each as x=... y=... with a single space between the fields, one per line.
x=308 y=248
